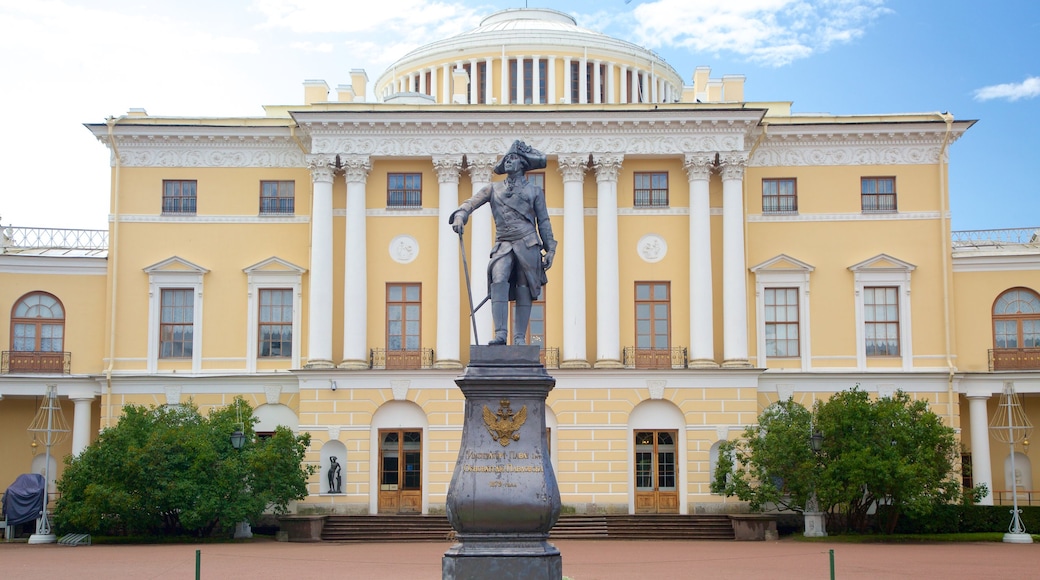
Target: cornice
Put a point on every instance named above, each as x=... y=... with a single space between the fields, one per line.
x=58 y=265
x=843 y=217
x=204 y=146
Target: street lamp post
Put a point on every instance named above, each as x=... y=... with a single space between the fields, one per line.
x=1010 y=425
x=815 y=525
x=50 y=421
x=238 y=440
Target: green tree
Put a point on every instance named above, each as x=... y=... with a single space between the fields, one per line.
x=891 y=453
x=169 y=470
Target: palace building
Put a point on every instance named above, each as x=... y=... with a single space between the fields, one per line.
x=715 y=255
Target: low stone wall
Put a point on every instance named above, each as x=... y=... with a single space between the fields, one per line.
x=753 y=527
x=302 y=528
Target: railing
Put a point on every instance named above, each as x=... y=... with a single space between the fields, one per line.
x=53 y=238
x=651 y=198
x=779 y=203
x=16 y=361
x=408 y=198
x=381 y=358
x=1004 y=237
x=655 y=358
x=879 y=202
x=1025 y=497
x=1013 y=359
x=178 y=205
x=277 y=205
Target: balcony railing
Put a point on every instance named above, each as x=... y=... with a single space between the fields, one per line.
x=1025 y=497
x=277 y=205
x=178 y=205
x=990 y=238
x=1014 y=359
x=53 y=238
x=15 y=361
x=655 y=358
x=382 y=358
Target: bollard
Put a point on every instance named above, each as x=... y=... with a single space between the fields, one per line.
x=198 y=564
x=832 y=563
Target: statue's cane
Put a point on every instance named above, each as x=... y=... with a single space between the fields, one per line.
x=469 y=290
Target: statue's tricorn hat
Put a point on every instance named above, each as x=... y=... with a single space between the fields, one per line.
x=533 y=158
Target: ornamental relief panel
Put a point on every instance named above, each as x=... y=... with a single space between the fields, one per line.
x=769 y=155
x=194 y=156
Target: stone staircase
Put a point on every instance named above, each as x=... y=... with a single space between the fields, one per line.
x=420 y=528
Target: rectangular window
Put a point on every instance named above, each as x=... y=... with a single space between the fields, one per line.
x=404 y=190
x=779 y=196
x=481 y=80
x=881 y=319
x=403 y=316
x=276 y=318
x=653 y=306
x=878 y=194
x=651 y=189
x=575 y=87
x=536 y=179
x=277 y=197
x=781 y=322
x=176 y=323
x=179 y=196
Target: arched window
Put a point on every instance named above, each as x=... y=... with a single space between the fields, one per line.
x=1016 y=319
x=38 y=324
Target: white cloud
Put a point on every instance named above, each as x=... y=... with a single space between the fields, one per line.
x=768 y=32
x=1027 y=89
x=308 y=46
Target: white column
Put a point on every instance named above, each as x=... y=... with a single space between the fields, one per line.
x=504 y=80
x=597 y=81
x=536 y=79
x=474 y=88
x=550 y=88
x=422 y=81
x=623 y=85
x=519 y=88
x=355 y=266
x=448 y=297
x=575 y=352
x=610 y=83
x=608 y=302
x=433 y=84
x=411 y=83
x=644 y=84
x=635 y=97
x=981 y=470
x=480 y=242
x=702 y=328
x=583 y=81
x=319 y=315
x=567 y=80
x=489 y=65
x=734 y=271
x=81 y=422
x=446 y=78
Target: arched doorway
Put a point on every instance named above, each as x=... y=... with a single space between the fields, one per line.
x=398 y=465
x=658 y=443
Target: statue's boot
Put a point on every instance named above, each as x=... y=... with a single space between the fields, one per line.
x=522 y=315
x=500 y=312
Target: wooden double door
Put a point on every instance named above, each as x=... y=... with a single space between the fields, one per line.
x=400 y=471
x=655 y=476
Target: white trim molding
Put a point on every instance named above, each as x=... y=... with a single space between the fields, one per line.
x=884 y=270
x=273 y=273
x=171 y=274
x=783 y=271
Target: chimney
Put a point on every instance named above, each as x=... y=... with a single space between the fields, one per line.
x=315 y=91
x=714 y=91
x=345 y=93
x=136 y=112
x=733 y=88
x=700 y=82
x=359 y=80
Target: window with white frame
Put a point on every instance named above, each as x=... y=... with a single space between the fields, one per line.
x=782 y=310
x=175 y=312
x=882 y=294
x=274 y=312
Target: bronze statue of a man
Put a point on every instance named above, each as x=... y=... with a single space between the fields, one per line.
x=522 y=232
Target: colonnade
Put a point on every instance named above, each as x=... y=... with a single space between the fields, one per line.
x=574 y=352
x=644 y=86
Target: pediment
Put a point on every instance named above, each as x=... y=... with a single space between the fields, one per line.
x=274 y=265
x=175 y=265
x=782 y=263
x=883 y=263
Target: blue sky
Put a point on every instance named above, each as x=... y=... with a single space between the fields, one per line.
x=67 y=62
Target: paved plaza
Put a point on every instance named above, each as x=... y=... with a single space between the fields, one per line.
x=582 y=560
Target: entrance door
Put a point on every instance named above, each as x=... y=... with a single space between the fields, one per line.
x=656 y=491
x=400 y=472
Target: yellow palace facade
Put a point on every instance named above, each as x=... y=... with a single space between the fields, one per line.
x=715 y=255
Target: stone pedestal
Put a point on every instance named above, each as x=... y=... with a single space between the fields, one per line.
x=815 y=525
x=503 y=498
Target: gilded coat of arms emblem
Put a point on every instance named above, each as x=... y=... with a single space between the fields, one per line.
x=504 y=425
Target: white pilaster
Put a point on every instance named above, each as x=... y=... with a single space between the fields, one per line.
x=319 y=319
x=608 y=302
x=550 y=89
x=702 y=328
x=448 y=297
x=355 y=267
x=734 y=270
x=536 y=79
x=981 y=471
x=81 y=422
x=597 y=81
x=575 y=352
x=480 y=240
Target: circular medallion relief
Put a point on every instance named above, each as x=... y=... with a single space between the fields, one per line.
x=652 y=248
x=404 y=249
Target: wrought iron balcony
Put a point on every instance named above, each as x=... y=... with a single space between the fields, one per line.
x=15 y=361
x=655 y=358
x=381 y=358
x=1014 y=359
